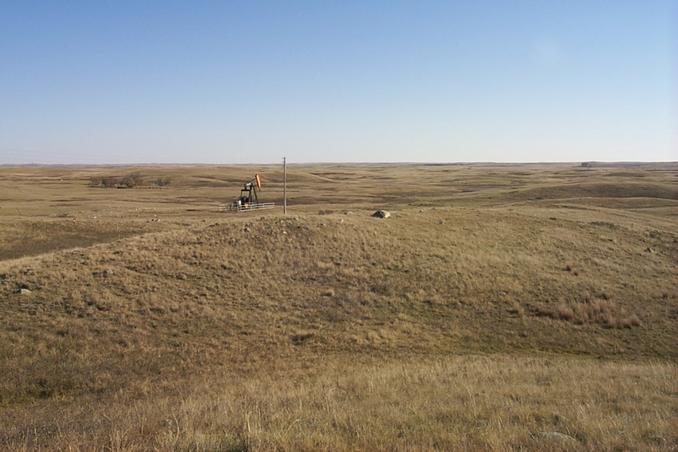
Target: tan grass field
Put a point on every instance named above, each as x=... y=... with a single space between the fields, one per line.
x=501 y=307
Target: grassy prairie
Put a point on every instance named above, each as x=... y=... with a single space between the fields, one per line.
x=500 y=307
x=449 y=403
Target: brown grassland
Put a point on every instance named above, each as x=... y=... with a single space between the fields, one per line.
x=501 y=307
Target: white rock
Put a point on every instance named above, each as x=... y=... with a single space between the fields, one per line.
x=557 y=437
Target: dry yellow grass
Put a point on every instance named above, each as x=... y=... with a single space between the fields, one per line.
x=456 y=403
x=498 y=307
x=494 y=403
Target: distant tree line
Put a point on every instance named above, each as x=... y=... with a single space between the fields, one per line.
x=128 y=181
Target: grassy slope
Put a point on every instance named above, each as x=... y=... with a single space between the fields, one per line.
x=241 y=299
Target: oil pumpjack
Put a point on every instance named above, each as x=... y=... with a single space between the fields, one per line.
x=249 y=197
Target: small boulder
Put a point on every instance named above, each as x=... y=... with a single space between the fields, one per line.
x=381 y=214
x=24 y=291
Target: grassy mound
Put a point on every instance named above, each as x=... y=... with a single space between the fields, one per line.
x=234 y=292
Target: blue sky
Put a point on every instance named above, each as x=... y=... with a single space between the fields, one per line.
x=238 y=82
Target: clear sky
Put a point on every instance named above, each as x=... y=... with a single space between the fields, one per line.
x=229 y=82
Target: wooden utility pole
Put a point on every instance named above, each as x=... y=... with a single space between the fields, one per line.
x=285 y=185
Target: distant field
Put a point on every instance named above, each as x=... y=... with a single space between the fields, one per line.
x=500 y=307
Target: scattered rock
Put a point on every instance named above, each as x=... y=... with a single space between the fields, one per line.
x=655 y=438
x=381 y=214
x=301 y=338
x=557 y=437
x=104 y=273
x=649 y=250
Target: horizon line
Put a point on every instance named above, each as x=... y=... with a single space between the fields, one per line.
x=478 y=162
